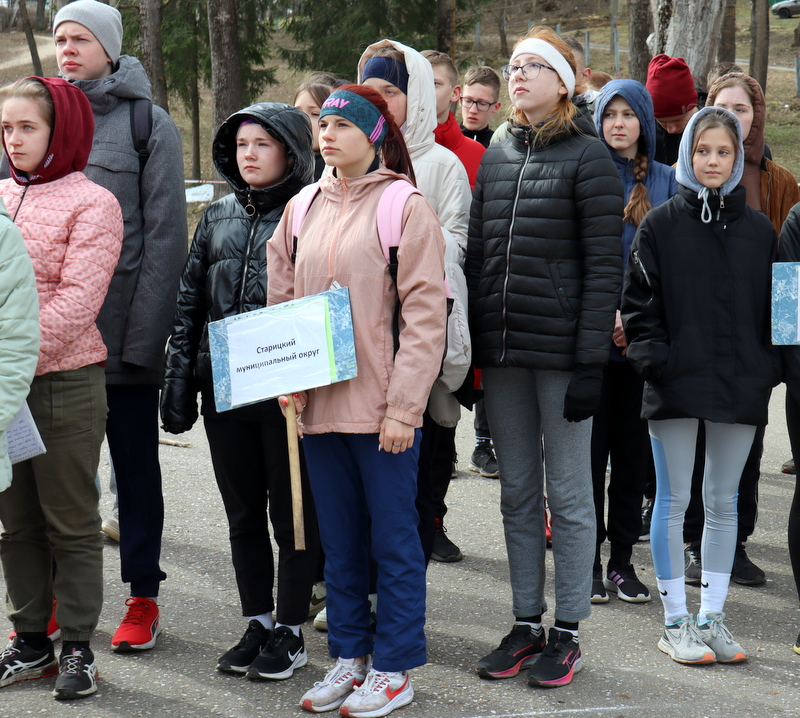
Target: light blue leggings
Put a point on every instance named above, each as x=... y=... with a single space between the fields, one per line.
x=727 y=448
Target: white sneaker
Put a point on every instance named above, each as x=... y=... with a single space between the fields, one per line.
x=683 y=643
x=331 y=691
x=317 y=602
x=321 y=620
x=378 y=695
x=718 y=638
x=110 y=525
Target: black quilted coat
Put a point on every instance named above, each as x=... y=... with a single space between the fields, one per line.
x=696 y=310
x=544 y=253
x=226 y=272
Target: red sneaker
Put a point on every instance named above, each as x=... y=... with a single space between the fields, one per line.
x=140 y=627
x=53 y=629
x=548 y=525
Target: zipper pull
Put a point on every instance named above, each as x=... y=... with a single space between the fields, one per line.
x=249 y=208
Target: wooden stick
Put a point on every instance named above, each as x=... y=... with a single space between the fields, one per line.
x=294 y=472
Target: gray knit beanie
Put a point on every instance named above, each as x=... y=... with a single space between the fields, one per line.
x=103 y=21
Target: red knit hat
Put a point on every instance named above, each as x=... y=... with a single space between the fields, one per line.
x=671 y=86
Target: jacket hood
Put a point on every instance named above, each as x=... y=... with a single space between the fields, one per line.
x=70 y=137
x=637 y=96
x=684 y=172
x=128 y=82
x=421 y=97
x=754 y=142
x=287 y=124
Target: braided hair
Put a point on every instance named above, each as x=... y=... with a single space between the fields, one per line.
x=638 y=202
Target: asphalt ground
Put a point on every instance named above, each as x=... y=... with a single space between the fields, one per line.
x=624 y=674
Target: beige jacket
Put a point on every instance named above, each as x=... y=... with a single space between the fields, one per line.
x=339 y=242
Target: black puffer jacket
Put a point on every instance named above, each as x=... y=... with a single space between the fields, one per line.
x=226 y=272
x=544 y=254
x=696 y=310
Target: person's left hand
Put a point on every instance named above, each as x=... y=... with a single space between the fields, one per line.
x=395 y=436
x=618 y=336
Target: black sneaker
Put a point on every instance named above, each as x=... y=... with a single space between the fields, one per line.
x=744 y=570
x=647 y=519
x=483 y=460
x=282 y=655
x=239 y=658
x=517 y=650
x=20 y=662
x=444 y=549
x=796 y=646
x=788 y=467
x=599 y=594
x=77 y=674
x=558 y=662
x=623 y=581
x=692 y=568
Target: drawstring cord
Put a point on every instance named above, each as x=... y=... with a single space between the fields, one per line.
x=705 y=214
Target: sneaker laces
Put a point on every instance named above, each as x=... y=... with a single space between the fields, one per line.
x=10 y=650
x=687 y=627
x=280 y=637
x=251 y=637
x=137 y=611
x=340 y=673
x=375 y=682
x=717 y=629
x=72 y=662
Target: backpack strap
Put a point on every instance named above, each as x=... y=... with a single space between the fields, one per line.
x=391 y=206
x=302 y=204
x=141 y=110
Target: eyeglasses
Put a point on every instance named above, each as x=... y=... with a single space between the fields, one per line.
x=530 y=70
x=482 y=105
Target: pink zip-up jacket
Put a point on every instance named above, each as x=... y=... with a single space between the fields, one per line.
x=73 y=232
x=339 y=242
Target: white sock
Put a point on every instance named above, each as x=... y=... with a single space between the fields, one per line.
x=713 y=592
x=673 y=598
x=265 y=619
x=535 y=627
x=294 y=629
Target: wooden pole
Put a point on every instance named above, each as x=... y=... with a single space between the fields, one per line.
x=294 y=473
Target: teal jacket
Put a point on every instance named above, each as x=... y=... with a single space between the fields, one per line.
x=19 y=331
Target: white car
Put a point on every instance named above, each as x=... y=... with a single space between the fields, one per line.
x=786 y=9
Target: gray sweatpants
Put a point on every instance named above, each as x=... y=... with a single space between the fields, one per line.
x=525 y=406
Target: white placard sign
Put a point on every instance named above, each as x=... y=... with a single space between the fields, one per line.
x=295 y=352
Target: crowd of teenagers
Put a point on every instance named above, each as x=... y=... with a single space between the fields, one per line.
x=609 y=244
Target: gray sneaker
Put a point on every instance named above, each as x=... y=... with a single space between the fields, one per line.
x=692 y=568
x=718 y=638
x=329 y=693
x=682 y=643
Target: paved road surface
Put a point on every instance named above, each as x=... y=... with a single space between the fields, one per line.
x=624 y=676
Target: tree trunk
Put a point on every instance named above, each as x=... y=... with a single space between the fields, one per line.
x=194 y=110
x=501 y=28
x=152 y=56
x=727 y=41
x=26 y=24
x=41 y=18
x=640 y=25
x=226 y=73
x=694 y=32
x=445 y=30
x=661 y=16
x=796 y=40
x=759 y=41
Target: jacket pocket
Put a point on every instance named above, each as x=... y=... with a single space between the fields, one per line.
x=567 y=304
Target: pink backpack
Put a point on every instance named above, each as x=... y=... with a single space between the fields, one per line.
x=458 y=349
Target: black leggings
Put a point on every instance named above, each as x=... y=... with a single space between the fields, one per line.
x=793 y=423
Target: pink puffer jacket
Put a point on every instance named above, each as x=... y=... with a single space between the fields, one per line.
x=73 y=231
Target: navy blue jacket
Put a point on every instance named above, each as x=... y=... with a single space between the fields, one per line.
x=660 y=179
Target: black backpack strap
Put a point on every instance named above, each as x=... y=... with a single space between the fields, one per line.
x=141 y=128
x=396 y=313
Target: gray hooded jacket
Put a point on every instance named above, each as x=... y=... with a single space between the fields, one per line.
x=136 y=317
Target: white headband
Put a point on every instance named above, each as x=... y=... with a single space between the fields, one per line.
x=535 y=46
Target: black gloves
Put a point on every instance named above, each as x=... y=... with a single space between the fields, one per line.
x=583 y=393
